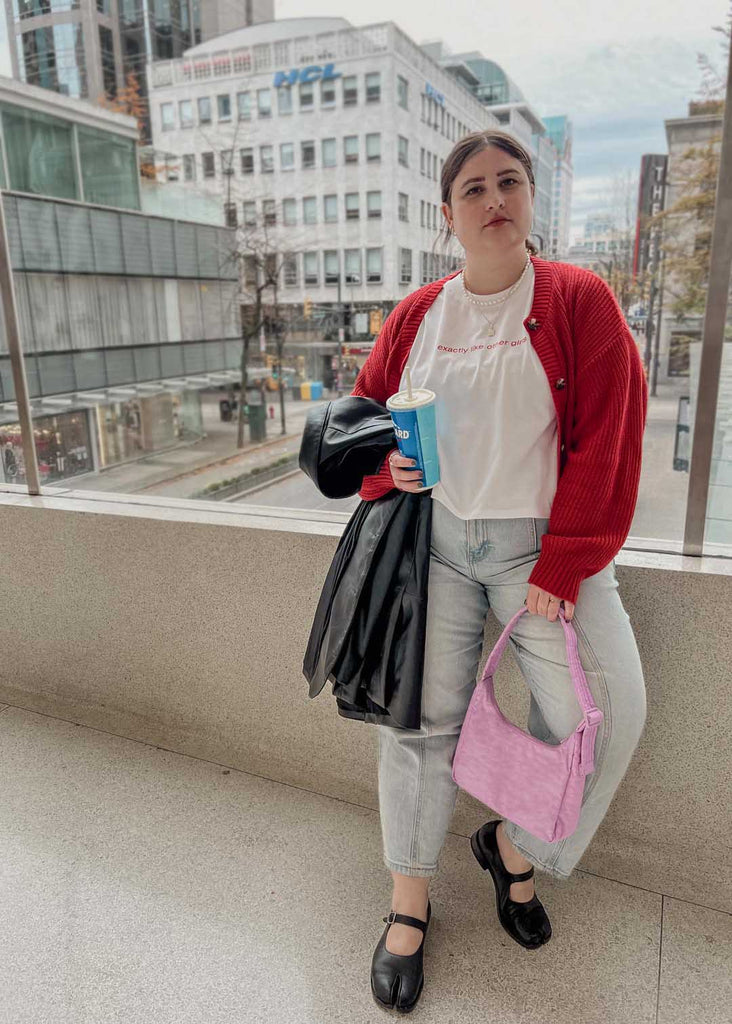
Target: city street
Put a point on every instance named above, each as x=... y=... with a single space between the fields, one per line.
x=661 y=507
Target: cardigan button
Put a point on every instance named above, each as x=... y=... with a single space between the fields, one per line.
x=559 y=384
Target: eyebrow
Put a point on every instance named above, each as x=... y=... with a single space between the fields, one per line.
x=511 y=170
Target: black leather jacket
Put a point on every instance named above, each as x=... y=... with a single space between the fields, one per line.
x=368 y=633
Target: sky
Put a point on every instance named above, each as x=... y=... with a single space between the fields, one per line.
x=617 y=68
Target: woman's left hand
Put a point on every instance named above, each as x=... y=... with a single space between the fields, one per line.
x=541 y=602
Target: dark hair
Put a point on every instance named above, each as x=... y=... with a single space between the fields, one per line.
x=467 y=147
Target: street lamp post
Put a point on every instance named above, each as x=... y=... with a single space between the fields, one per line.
x=341 y=337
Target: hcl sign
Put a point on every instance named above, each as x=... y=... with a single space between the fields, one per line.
x=309 y=74
x=434 y=94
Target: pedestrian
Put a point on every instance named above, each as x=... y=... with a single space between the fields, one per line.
x=541 y=406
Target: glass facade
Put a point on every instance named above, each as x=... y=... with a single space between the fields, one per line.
x=106 y=50
x=40 y=151
x=33 y=8
x=108 y=168
x=53 y=58
x=41 y=159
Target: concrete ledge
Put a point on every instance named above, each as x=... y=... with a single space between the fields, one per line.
x=133 y=616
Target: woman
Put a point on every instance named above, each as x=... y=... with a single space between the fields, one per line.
x=541 y=406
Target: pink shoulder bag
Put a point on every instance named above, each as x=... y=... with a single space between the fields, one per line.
x=537 y=785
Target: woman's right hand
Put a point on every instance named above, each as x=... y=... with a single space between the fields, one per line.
x=404 y=477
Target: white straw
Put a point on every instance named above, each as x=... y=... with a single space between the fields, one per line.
x=409 y=383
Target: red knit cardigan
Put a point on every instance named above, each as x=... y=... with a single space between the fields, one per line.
x=600 y=395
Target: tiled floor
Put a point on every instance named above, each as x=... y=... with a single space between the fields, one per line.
x=140 y=885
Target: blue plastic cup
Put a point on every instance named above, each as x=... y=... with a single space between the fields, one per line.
x=416 y=431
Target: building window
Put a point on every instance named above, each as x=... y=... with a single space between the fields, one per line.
x=269 y=210
x=250 y=270
x=247 y=160
x=373 y=147
x=329 y=152
x=405 y=266
x=204 y=110
x=189 y=167
x=434 y=166
x=244 y=105
x=350 y=91
x=109 y=75
x=403 y=151
x=185 y=113
x=421 y=159
x=330 y=209
x=287 y=156
x=289 y=267
x=167 y=116
x=425 y=268
x=352 y=210
x=373 y=205
x=230 y=215
x=352 y=266
x=266 y=159
x=350 y=149
x=402 y=92
x=227 y=161
x=307 y=152
x=307 y=96
x=373 y=87
x=310 y=210
x=421 y=213
x=373 y=266
x=310 y=267
x=403 y=207
x=332 y=269
x=223 y=104
x=289 y=211
x=284 y=99
x=264 y=103
x=250 y=215
x=207 y=162
x=327 y=93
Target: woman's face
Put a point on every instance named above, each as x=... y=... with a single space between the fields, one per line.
x=491 y=184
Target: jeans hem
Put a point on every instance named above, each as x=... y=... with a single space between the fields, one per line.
x=530 y=856
x=407 y=869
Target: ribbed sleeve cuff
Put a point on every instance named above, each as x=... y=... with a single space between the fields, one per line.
x=554 y=573
x=380 y=483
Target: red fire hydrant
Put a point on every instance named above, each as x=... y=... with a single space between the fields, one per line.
x=271 y=412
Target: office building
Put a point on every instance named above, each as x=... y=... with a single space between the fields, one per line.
x=123 y=317
x=87 y=48
x=559 y=130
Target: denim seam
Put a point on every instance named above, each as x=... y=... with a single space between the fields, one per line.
x=419 y=801
x=600 y=754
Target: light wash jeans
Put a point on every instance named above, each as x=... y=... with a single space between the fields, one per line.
x=476 y=565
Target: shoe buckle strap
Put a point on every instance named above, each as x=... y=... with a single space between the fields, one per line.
x=394 y=918
x=523 y=876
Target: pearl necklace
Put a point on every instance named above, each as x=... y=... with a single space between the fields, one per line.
x=493 y=302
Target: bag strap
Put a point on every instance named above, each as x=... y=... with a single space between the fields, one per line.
x=593 y=716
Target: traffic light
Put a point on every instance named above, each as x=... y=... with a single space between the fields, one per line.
x=307 y=308
x=375 y=321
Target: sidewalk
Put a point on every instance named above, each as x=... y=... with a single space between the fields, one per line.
x=185 y=470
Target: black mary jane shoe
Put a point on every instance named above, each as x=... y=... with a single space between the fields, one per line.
x=527 y=923
x=397 y=980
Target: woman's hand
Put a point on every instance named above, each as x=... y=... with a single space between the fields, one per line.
x=405 y=479
x=541 y=602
